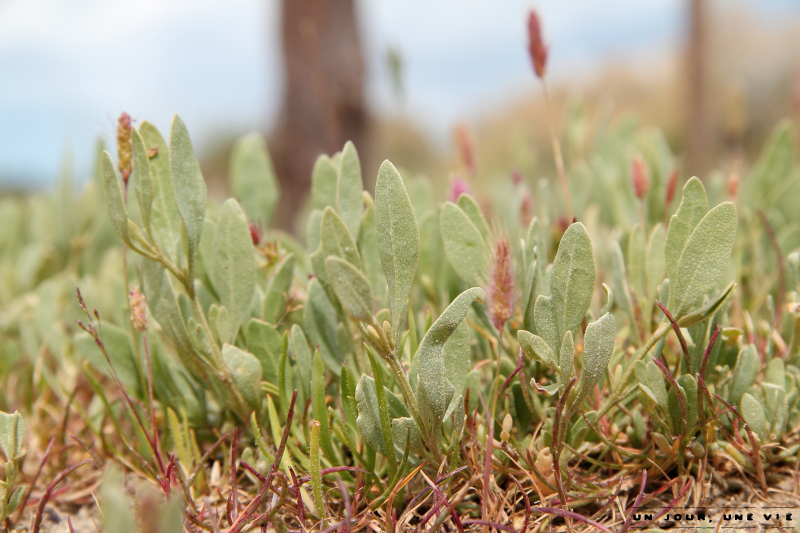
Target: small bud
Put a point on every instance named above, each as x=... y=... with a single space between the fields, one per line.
x=124 y=146
x=698 y=450
x=536 y=47
x=387 y=330
x=458 y=186
x=639 y=175
x=672 y=185
x=374 y=336
x=138 y=310
x=508 y=425
x=255 y=233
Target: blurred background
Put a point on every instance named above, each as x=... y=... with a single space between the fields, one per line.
x=416 y=82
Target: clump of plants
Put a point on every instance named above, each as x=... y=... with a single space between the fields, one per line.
x=555 y=360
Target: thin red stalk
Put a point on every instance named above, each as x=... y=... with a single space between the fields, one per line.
x=570 y=514
x=487 y=464
x=557 y=440
x=251 y=507
x=755 y=452
x=636 y=503
x=205 y=457
x=234 y=499
x=507 y=382
x=666 y=509
x=37 y=517
x=301 y=510
x=681 y=339
x=499 y=527
x=681 y=400
x=333 y=470
x=27 y=494
x=527 y=504
x=346 y=503
x=710 y=346
x=444 y=499
x=91 y=330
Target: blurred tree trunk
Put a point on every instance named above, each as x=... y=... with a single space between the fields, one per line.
x=323 y=103
x=699 y=132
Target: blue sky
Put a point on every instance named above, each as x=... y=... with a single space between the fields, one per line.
x=68 y=68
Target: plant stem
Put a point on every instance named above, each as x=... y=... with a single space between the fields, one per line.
x=559 y=159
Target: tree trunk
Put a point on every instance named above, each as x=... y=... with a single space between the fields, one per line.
x=323 y=104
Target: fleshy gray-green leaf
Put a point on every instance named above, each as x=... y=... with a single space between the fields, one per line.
x=142 y=177
x=463 y=244
x=188 y=185
x=253 y=178
x=265 y=343
x=536 y=348
x=163 y=305
x=349 y=187
x=598 y=345
x=655 y=262
x=457 y=361
x=636 y=260
x=544 y=316
x=302 y=355
x=165 y=220
x=275 y=297
x=433 y=382
x=657 y=384
x=572 y=279
x=12 y=431
x=234 y=265
x=753 y=414
x=352 y=289
x=319 y=324
x=114 y=199
x=368 y=249
x=336 y=238
x=398 y=238
x=744 y=373
x=693 y=207
x=323 y=183
x=245 y=371
x=566 y=358
x=704 y=257
x=471 y=208
x=368 y=421
x=708 y=309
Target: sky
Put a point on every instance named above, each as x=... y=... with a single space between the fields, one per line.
x=68 y=68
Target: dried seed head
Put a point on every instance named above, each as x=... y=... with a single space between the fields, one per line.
x=458 y=186
x=124 y=147
x=138 y=310
x=640 y=177
x=536 y=47
x=501 y=289
x=672 y=185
